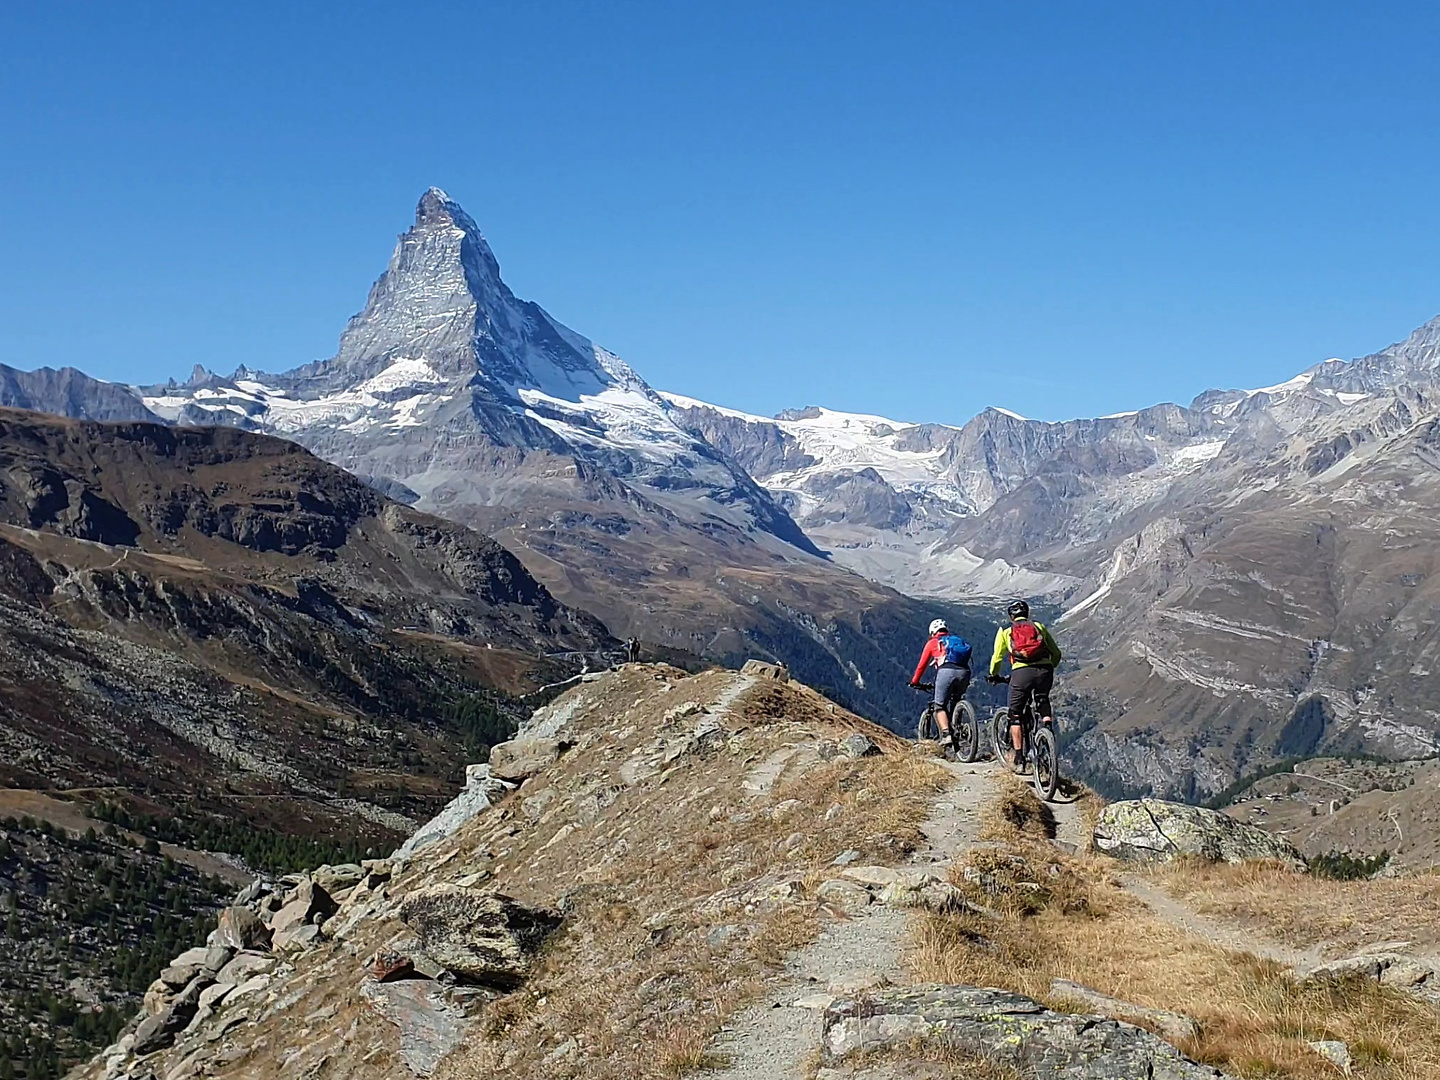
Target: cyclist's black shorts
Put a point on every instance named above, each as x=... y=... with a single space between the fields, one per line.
x=1027 y=683
x=950 y=686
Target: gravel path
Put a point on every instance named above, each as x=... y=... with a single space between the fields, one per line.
x=775 y=1039
x=1207 y=928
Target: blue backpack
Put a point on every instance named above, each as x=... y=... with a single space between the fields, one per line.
x=954 y=649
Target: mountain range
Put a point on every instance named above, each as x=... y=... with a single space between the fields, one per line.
x=1242 y=578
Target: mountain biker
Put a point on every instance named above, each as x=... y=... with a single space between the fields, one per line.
x=950 y=653
x=1033 y=654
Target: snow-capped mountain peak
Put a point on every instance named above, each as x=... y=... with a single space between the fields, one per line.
x=443 y=353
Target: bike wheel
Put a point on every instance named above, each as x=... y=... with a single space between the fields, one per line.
x=1000 y=733
x=966 y=732
x=1047 y=763
x=927 y=728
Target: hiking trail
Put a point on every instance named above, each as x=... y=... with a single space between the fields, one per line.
x=774 y=1038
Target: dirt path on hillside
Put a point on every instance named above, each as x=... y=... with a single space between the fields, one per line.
x=776 y=1038
x=1216 y=931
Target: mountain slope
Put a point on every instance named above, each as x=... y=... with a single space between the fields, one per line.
x=191 y=605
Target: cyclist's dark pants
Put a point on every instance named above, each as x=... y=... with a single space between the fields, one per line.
x=950 y=686
x=1025 y=683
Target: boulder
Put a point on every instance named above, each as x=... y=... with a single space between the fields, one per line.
x=1005 y=1028
x=761 y=669
x=335 y=878
x=480 y=936
x=296 y=938
x=179 y=976
x=244 y=966
x=481 y=792
x=1152 y=830
x=214 y=994
x=158 y=1031
x=872 y=877
x=216 y=957
x=191 y=957
x=918 y=890
x=856 y=745
x=241 y=929
x=252 y=892
x=390 y=966
x=520 y=759
x=308 y=904
x=845 y=895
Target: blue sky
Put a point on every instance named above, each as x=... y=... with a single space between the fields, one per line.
x=913 y=209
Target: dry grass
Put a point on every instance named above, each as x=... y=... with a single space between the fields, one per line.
x=687 y=894
x=923 y=1060
x=1304 y=910
x=1017 y=815
x=1058 y=916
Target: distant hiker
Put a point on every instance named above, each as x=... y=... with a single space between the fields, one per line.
x=1033 y=654
x=950 y=653
x=632 y=651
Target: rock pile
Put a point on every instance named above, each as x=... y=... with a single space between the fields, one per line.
x=267 y=923
x=461 y=935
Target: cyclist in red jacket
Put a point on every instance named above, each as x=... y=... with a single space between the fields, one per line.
x=950 y=654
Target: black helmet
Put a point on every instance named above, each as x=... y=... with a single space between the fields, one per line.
x=1018 y=609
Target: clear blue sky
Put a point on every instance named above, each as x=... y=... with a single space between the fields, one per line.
x=914 y=209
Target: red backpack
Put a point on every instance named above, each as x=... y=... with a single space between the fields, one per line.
x=1027 y=644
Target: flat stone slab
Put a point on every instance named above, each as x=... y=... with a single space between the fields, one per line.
x=430 y=1024
x=1006 y=1028
x=1172 y=1025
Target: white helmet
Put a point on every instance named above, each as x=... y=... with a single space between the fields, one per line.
x=937 y=627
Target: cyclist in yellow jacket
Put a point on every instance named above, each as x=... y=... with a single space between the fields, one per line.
x=1033 y=655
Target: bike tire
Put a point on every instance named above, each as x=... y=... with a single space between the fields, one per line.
x=1047 y=763
x=1000 y=733
x=927 y=728
x=966 y=731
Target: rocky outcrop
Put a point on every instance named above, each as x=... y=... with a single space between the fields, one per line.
x=522 y=758
x=761 y=669
x=1174 y=1026
x=1406 y=973
x=1005 y=1028
x=1151 y=830
x=480 y=936
x=481 y=792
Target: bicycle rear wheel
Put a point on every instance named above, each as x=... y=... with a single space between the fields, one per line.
x=966 y=732
x=1047 y=762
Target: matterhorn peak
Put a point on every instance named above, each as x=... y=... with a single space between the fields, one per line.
x=436 y=208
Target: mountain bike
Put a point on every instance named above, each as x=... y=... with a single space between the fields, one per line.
x=1038 y=746
x=964 y=730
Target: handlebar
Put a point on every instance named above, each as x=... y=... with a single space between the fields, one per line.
x=927 y=687
x=997 y=678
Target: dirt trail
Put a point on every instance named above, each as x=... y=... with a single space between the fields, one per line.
x=1216 y=931
x=774 y=1039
